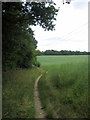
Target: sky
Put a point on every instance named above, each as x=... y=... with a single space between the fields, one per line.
x=71 y=30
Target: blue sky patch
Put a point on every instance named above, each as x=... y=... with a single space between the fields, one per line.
x=80 y=3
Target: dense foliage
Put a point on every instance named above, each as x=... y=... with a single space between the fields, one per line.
x=19 y=44
x=62 y=52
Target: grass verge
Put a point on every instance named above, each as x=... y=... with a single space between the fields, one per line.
x=17 y=93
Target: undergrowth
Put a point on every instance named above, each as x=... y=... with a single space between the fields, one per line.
x=17 y=93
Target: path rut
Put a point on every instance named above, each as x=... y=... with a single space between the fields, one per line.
x=39 y=111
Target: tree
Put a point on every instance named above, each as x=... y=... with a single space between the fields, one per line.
x=64 y=52
x=19 y=44
x=38 y=53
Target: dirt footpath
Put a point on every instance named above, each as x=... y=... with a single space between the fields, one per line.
x=39 y=110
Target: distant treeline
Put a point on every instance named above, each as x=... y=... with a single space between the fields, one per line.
x=62 y=52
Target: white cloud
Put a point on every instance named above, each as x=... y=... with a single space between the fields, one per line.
x=71 y=29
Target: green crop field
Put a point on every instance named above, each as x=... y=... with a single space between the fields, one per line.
x=64 y=86
x=58 y=60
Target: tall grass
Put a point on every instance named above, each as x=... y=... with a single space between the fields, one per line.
x=64 y=89
x=18 y=96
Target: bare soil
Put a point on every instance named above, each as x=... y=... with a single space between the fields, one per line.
x=39 y=109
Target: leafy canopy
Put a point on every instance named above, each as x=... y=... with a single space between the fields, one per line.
x=19 y=44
